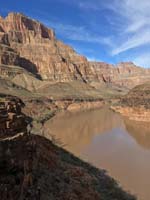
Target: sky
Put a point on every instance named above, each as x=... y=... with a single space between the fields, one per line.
x=102 y=30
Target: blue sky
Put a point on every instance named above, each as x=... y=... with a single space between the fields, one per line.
x=102 y=30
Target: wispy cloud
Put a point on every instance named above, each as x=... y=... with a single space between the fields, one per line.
x=136 y=29
x=127 y=23
x=78 y=33
x=134 y=22
x=88 y=5
x=138 y=39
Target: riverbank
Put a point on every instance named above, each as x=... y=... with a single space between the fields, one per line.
x=140 y=113
x=43 y=109
x=52 y=170
x=136 y=104
x=32 y=166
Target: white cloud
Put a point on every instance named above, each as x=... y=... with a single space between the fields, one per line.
x=130 y=21
x=78 y=33
x=133 y=21
x=137 y=25
x=136 y=19
x=139 y=39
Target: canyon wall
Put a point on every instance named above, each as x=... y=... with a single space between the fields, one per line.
x=31 y=45
x=124 y=74
x=40 y=52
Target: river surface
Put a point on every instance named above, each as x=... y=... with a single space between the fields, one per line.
x=110 y=142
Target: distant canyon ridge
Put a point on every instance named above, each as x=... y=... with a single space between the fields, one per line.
x=31 y=56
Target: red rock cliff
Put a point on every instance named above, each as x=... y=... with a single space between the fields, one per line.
x=33 y=46
x=40 y=51
x=125 y=74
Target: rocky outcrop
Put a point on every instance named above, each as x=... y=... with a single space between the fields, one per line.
x=7 y=55
x=16 y=28
x=136 y=104
x=12 y=120
x=34 y=47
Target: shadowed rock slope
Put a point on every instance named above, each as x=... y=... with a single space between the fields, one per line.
x=32 y=167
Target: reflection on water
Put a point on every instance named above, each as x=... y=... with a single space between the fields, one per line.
x=77 y=130
x=140 y=131
x=108 y=141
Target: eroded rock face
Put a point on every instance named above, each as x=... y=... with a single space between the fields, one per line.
x=124 y=74
x=7 y=55
x=31 y=45
x=39 y=50
x=20 y=29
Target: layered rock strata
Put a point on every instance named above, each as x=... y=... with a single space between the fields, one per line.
x=34 y=47
x=125 y=74
x=31 y=39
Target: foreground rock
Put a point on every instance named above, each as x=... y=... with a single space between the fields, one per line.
x=136 y=104
x=12 y=120
x=32 y=167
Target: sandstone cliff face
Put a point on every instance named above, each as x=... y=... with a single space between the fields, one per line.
x=7 y=55
x=124 y=74
x=18 y=28
x=34 y=47
x=31 y=39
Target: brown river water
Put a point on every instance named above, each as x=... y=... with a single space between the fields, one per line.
x=110 y=142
